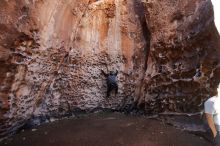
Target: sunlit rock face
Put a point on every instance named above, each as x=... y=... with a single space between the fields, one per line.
x=52 y=53
x=183 y=66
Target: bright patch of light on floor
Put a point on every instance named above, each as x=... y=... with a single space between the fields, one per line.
x=216 y=4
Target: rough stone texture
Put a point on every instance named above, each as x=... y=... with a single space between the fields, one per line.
x=183 y=63
x=51 y=54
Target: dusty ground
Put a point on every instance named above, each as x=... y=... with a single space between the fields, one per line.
x=108 y=129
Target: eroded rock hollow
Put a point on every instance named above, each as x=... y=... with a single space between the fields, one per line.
x=52 y=52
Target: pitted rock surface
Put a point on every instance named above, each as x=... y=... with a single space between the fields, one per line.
x=183 y=63
x=52 y=53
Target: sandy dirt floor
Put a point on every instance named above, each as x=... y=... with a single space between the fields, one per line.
x=105 y=129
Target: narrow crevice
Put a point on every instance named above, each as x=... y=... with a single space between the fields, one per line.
x=146 y=34
x=139 y=8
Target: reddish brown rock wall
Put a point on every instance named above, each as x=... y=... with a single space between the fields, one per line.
x=183 y=65
x=51 y=54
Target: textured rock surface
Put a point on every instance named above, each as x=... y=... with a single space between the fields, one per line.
x=51 y=54
x=183 y=63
